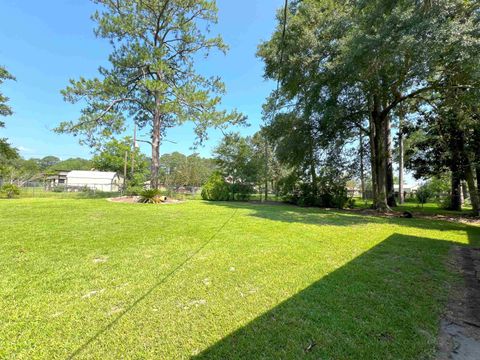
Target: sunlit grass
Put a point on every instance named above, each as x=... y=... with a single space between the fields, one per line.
x=110 y=280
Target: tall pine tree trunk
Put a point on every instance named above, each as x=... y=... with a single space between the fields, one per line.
x=156 y=137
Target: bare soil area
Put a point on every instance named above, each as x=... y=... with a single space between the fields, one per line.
x=460 y=327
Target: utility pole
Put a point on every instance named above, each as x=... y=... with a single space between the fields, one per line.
x=134 y=147
x=125 y=171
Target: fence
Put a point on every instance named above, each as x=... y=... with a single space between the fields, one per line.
x=41 y=189
x=44 y=189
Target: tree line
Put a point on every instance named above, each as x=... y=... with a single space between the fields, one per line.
x=348 y=72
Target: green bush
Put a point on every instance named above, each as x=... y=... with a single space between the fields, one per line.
x=134 y=190
x=242 y=192
x=326 y=194
x=216 y=188
x=10 y=190
x=351 y=203
x=423 y=194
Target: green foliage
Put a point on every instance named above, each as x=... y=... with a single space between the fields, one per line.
x=177 y=170
x=111 y=157
x=151 y=78
x=10 y=190
x=236 y=158
x=20 y=170
x=241 y=192
x=350 y=66
x=326 y=194
x=48 y=162
x=5 y=109
x=351 y=203
x=216 y=188
x=134 y=190
x=7 y=152
x=424 y=193
x=72 y=164
x=150 y=196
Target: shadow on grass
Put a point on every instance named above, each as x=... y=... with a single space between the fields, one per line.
x=295 y=214
x=385 y=304
x=316 y=216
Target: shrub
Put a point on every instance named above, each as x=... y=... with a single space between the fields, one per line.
x=150 y=196
x=423 y=194
x=134 y=190
x=350 y=203
x=242 y=192
x=10 y=190
x=325 y=194
x=216 y=188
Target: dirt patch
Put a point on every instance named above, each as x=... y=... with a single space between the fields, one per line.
x=460 y=327
x=136 y=200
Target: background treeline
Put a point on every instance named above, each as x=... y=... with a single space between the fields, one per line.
x=177 y=170
x=356 y=78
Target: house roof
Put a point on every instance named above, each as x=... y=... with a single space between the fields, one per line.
x=91 y=174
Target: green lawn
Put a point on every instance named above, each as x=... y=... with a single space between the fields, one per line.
x=93 y=279
x=430 y=208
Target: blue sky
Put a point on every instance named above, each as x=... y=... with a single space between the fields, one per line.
x=45 y=43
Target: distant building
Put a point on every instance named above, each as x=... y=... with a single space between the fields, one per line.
x=56 y=180
x=407 y=189
x=94 y=180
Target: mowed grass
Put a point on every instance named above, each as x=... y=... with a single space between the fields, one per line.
x=93 y=279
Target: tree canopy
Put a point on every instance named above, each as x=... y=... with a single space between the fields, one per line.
x=7 y=152
x=347 y=67
x=151 y=78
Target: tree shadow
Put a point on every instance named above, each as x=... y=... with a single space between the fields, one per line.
x=384 y=304
x=316 y=216
x=295 y=214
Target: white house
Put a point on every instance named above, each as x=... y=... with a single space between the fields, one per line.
x=95 y=180
x=408 y=189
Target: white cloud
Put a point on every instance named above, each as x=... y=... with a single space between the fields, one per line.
x=25 y=149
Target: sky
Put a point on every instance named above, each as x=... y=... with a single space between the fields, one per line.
x=46 y=43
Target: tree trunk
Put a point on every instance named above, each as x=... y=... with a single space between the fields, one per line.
x=477 y=157
x=472 y=189
x=313 y=172
x=456 y=197
x=389 y=164
x=463 y=191
x=456 y=149
x=401 y=197
x=373 y=160
x=156 y=137
x=362 y=167
x=380 y=152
